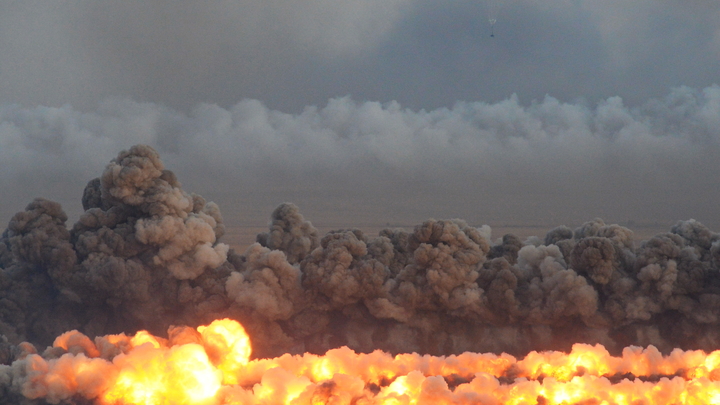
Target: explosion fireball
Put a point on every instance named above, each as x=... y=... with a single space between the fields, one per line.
x=581 y=317
x=211 y=365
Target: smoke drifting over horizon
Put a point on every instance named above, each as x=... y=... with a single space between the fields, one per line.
x=545 y=163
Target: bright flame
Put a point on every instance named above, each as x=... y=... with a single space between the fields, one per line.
x=159 y=376
x=214 y=368
x=228 y=346
x=143 y=337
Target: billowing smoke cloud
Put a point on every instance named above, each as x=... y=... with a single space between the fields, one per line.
x=543 y=164
x=145 y=255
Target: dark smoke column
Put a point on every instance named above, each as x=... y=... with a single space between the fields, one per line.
x=142 y=256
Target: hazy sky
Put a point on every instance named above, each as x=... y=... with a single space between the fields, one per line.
x=385 y=110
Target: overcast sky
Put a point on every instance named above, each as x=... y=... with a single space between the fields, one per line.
x=388 y=110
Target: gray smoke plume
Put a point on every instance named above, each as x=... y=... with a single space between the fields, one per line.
x=145 y=255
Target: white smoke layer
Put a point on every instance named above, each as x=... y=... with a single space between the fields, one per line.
x=547 y=162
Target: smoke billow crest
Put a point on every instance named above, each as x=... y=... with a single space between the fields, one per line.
x=145 y=255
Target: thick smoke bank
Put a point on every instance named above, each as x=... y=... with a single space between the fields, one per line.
x=145 y=255
x=548 y=162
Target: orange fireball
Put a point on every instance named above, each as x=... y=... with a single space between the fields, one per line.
x=153 y=374
x=162 y=376
x=228 y=346
x=212 y=366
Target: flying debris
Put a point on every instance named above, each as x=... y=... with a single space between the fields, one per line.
x=494 y=7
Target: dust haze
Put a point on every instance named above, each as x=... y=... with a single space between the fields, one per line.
x=290 y=54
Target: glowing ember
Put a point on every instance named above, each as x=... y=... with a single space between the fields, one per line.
x=211 y=366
